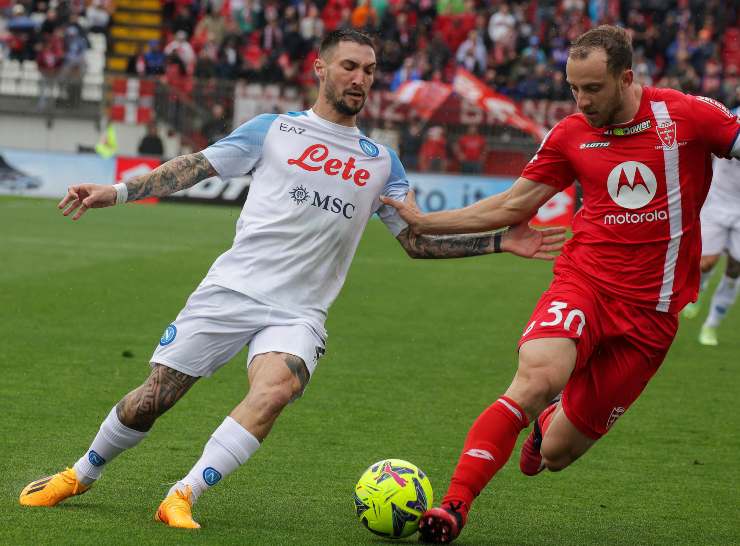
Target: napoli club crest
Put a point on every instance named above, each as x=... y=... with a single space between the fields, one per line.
x=369 y=148
x=667 y=134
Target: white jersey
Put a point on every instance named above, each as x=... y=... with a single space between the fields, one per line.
x=724 y=194
x=315 y=185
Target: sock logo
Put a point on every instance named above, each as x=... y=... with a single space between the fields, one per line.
x=480 y=454
x=95 y=459
x=211 y=476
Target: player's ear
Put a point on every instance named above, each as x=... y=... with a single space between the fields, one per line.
x=319 y=68
x=628 y=76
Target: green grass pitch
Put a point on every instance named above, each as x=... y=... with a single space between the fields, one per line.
x=416 y=350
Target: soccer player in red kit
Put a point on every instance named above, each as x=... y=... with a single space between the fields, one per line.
x=604 y=326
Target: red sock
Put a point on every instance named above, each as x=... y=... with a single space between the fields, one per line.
x=488 y=446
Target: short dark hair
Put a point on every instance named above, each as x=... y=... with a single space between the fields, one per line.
x=613 y=40
x=331 y=40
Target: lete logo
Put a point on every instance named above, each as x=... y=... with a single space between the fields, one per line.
x=631 y=185
x=316 y=157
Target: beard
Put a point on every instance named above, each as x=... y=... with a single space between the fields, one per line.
x=337 y=101
x=609 y=116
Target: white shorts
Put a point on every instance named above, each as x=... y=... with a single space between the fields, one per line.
x=217 y=323
x=720 y=231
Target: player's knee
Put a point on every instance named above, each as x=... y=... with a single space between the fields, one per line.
x=533 y=387
x=271 y=399
x=733 y=268
x=557 y=462
x=708 y=262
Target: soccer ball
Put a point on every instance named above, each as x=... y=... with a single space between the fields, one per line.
x=391 y=496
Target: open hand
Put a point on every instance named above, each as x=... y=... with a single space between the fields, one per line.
x=87 y=196
x=527 y=242
x=407 y=209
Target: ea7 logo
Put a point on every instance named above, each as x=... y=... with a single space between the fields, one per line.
x=285 y=128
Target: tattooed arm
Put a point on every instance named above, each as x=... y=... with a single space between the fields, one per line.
x=177 y=174
x=520 y=240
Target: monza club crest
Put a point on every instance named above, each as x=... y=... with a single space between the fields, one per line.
x=667 y=134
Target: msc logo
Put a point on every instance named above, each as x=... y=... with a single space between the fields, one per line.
x=369 y=148
x=335 y=205
x=631 y=185
x=168 y=336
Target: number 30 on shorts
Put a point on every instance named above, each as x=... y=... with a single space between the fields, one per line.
x=557 y=309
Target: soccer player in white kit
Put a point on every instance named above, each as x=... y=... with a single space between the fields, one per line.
x=316 y=182
x=720 y=232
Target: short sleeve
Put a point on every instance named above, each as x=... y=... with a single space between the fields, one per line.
x=550 y=165
x=717 y=126
x=238 y=153
x=396 y=187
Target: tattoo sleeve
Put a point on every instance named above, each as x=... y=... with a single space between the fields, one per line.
x=445 y=246
x=164 y=386
x=177 y=174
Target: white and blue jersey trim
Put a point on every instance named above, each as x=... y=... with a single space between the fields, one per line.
x=238 y=153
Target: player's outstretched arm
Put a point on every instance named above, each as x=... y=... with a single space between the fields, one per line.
x=521 y=240
x=514 y=206
x=174 y=175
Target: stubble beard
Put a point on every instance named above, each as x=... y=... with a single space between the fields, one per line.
x=338 y=103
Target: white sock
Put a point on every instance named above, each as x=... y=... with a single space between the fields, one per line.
x=230 y=446
x=112 y=439
x=704 y=281
x=722 y=300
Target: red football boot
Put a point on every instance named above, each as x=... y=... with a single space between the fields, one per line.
x=442 y=525
x=530 y=460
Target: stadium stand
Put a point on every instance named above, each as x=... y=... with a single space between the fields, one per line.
x=199 y=52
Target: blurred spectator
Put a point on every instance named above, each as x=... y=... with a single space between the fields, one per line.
x=364 y=15
x=387 y=135
x=217 y=127
x=433 y=152
x=98 y=18
x=181 y=48
x=470 y=150
x=136 y=65
x=155 y=58
x=150 y=143
x=408 y=72
x=311 y=25
x=210 y=28
x=73 y=66
x=412 y=136
x=471 y=54
x=49 y=61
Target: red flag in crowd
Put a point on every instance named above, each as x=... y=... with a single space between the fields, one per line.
x=506 y=110
x=423 y=96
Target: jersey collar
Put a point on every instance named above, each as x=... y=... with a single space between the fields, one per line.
x=333 y=126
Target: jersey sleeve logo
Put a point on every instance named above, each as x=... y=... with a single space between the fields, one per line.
x=718 y=105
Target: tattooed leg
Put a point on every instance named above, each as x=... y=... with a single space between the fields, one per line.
x=164 y=386
x=275 y=380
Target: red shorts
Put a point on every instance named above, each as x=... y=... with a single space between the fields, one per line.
x=619 y=347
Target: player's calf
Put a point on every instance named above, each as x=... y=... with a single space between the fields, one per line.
x=162 y=389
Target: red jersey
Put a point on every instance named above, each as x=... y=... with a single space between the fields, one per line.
x=637 y=236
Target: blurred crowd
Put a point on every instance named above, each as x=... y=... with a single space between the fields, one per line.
x=54 y=34
x=518 y=48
